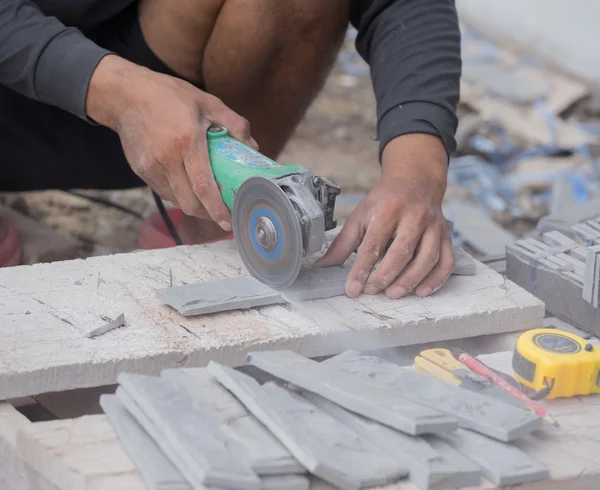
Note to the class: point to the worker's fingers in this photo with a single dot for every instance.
(160, 185)
(442, 270)
(182, 188)
(201, 177)
(399, 254)
(153, 174)
(345, 243)
(236, 125)
(426, 257)
(370, 250)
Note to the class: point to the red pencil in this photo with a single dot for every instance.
(481, 369)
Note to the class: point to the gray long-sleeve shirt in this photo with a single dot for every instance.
(412, 47)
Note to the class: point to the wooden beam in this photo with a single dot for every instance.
(47, 310)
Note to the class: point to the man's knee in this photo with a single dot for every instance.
(188, 35)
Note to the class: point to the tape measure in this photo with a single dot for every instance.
(562, 362)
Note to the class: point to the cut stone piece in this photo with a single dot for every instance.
(216, 296)
(116, 323)
(240, 293)
(501, 463)
(326, 447)
(464, 263)
(248, 438)
(439, 468)
(474, 411)
(317, 283)
(187, 431)
(155, 468)
(358, 396)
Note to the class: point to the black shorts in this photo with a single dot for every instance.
(43, 147)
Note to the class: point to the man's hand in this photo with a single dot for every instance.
(406, 206)
(162, 122)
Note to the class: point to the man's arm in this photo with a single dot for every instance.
(43, 59)
(413, 49)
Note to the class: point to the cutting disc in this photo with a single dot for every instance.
(267, 232)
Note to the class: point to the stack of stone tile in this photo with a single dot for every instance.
(563, 270)
(353, 421)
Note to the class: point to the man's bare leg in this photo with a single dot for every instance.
(266, 60)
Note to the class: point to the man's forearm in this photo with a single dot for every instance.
(413, 49)
(43, 59)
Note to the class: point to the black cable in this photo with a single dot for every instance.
(106, 202)
(167, 219)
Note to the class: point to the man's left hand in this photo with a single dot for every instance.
(406, 207)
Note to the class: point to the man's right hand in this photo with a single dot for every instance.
(162, 122)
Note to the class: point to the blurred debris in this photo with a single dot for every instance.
(528, 143)
(476, 228)
(40, 242)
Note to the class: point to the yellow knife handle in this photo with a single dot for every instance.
(425, 366)
(443, 358)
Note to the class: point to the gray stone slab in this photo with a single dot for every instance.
(562, 296)
(155, 468)
(247, 437)
(326, 447)
(439, 468)
(502, 464)
(221, 295)
(317, 284)
(474, 411)
(188, 432)
(464, 263)
(238, 293)
(358, 396)
(285, 482)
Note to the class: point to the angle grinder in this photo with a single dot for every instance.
(279, 213)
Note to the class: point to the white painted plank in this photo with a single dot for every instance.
(83, 446)
(46, 310)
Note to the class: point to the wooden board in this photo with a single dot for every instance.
(85, 454)
(47, 309)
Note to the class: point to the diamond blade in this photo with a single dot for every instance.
(267, 232)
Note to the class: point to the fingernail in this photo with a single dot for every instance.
(371, 289)
(253, 143)
(397, 292)
(225, 225)
(355, 289)
(426, 291)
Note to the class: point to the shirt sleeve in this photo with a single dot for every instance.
(43, 59)
(413, 49)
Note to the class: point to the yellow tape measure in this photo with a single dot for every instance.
(564, 362)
